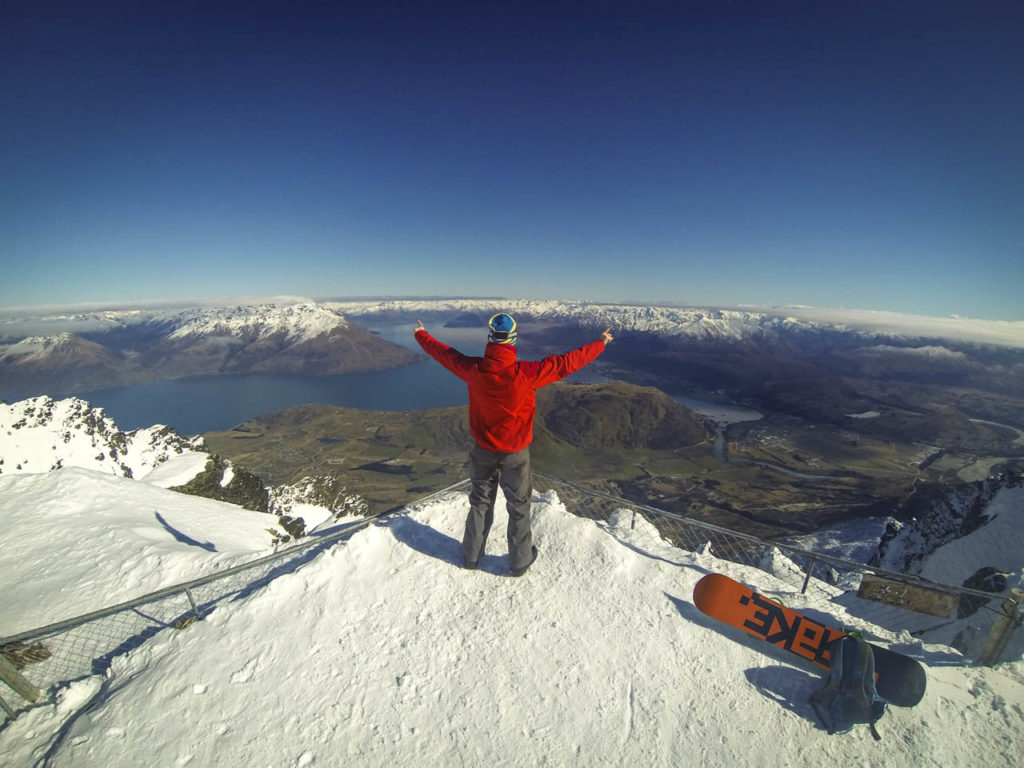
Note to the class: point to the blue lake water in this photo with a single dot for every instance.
(207, 403)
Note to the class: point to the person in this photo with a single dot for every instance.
(502, 405)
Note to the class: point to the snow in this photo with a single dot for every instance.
(40, 434)
(35, 347)
(312, 515)
(382, 651)
(999, 543)
(864, 415)
(853, 540)
(299, 322)
(87, 539)
(926, 351)
(178, 471)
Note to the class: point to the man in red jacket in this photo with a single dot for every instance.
(501, 409)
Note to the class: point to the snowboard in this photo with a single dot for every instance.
(900, 679)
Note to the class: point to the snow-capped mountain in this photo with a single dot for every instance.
(816, 364)
(58, 363)
(96, 350)
(813, 364)
(296, 323)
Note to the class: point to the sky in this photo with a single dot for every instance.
(827, 154)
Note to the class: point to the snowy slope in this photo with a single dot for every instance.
(86, 539)
(999, 543)
(383, 652)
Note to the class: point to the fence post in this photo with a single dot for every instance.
(1007, 621)
(188, 594)
(7, 709)
(807, 578)
(10, 675)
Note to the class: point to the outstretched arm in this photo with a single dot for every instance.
(449, 357)
(556, 367)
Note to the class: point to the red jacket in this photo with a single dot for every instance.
(501, 388)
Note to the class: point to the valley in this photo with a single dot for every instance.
(779, 476)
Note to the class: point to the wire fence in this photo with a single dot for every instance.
(34, 663)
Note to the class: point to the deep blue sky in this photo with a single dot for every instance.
(866, 155)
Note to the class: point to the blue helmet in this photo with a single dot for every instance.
(503, 329)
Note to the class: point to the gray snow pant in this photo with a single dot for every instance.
(488, 470)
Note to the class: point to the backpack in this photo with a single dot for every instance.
(849, 695)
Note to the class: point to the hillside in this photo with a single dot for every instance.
(618, 416)
(383, 652)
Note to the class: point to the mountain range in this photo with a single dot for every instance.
(793, 360)
(109, 349)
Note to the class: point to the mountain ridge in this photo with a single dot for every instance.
(120, 348)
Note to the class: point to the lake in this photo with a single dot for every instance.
(217, 402)
(208, 403)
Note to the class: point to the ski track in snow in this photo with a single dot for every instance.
(382, 652)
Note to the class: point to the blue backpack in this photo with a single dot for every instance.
(849, 696)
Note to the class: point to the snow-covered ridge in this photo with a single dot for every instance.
(37, 346)
(298, 322)
(710, 323)
(88, 539)
(42, 434)
(715, 322)
(304, 320)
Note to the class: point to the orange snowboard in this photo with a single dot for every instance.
(900, 679)
(738, 605)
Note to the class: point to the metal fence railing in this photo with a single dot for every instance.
(34, 662)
